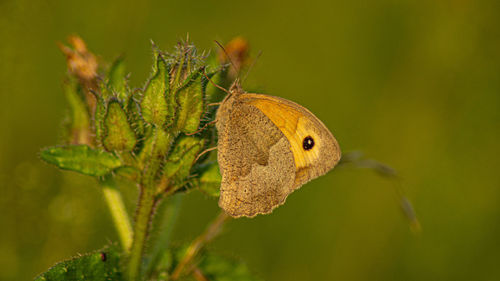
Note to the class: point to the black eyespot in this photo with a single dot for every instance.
(308, 143)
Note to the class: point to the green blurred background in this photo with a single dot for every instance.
(414, 84)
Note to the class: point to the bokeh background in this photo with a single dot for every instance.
(414, 84)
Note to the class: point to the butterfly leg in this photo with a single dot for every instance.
(204, 151)
(202, 128)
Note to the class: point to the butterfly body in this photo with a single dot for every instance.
(267, 148)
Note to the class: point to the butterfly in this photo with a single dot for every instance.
(267, 148)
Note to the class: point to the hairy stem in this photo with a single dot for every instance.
(145, 210)
(144, 215)
(119, 214)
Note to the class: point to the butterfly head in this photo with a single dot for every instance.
(236, 88)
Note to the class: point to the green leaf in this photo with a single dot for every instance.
(79, 131)
(134, 115)
(190, 102)
(100, 265)
(128, 172)
(209, 179)
(117, 81)
(119, 135)
(216, 268)
(181, 158)
(100, 113)
(82, 159)
(156, 145)
(154, 106)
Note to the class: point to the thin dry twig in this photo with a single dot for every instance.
(210, 233)
(198, 274)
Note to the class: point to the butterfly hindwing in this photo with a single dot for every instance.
(255, 162)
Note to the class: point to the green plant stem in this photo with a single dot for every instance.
(145, 210)
(144, 215)
(118, 213)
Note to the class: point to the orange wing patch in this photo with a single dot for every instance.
(292, 123)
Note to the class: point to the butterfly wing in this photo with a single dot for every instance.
(297, 123)
(255, 161)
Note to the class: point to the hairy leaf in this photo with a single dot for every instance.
(100, 113)
(82, 159)
(117, 82)
(119, 135)
(181, 158)
(156, 144)
(154, 106)
(101, 265)
(134, 115)
(190, 102)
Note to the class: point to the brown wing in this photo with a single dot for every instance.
(255, 161)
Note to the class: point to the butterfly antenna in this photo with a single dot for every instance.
(251, 66)
(227, 55)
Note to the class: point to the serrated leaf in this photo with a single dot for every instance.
(79, 128)
(100, 265)
(190, 103)
(118, 133)
(181, 158)
(209, 179)
(116, 79)
(82, 159)
(154, 106)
